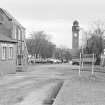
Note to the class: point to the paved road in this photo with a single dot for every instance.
(26, 88)
(15, 88)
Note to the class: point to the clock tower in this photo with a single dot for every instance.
(75, 35)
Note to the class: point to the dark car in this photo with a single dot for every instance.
(98, 60)
(75, 61)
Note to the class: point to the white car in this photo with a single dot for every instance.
(52, 60)
(31, 60)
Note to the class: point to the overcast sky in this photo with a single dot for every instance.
(55, 16)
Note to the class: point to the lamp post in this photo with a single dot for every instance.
(82, 45)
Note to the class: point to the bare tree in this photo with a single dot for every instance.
(63, 53)
(95, 42)
(40, 44)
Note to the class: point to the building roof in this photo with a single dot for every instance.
(11, 17)
(3, 38)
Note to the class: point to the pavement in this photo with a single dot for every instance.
(38, 96)
(82, 90)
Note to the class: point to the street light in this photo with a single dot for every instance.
(82, 44)
(82, 38)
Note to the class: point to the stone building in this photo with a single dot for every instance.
(12, 29)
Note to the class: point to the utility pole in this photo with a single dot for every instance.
(82, 46)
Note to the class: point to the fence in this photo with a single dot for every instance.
(87, 63)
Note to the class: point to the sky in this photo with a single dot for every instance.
(55, 17)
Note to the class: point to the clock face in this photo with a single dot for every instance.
(75, 34)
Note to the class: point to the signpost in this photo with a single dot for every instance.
(87, 60)
(80, 65)
(93, 65)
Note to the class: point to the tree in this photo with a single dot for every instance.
(62, 53)
(95, 43)
(40, 44)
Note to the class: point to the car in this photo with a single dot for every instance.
(52, 60)
(65, 61)
(49, 60)
(98, 61)
(59, 61)
(31, 60)
(75, 62)
(41, 61)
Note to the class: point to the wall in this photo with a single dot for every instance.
(8, 65)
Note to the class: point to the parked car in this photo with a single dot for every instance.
(40, 61)
(75, 61)
(59, 61)
(49, 60)
(98, 61)
(43, 61)
(65, 61)
(52, 60)
(31, 60)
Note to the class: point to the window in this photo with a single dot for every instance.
(3, 53)
(19, 34)
(10, 52)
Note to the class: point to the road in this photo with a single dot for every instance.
(16, 88)
(38, 84)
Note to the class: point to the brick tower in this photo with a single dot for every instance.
(75, 35)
